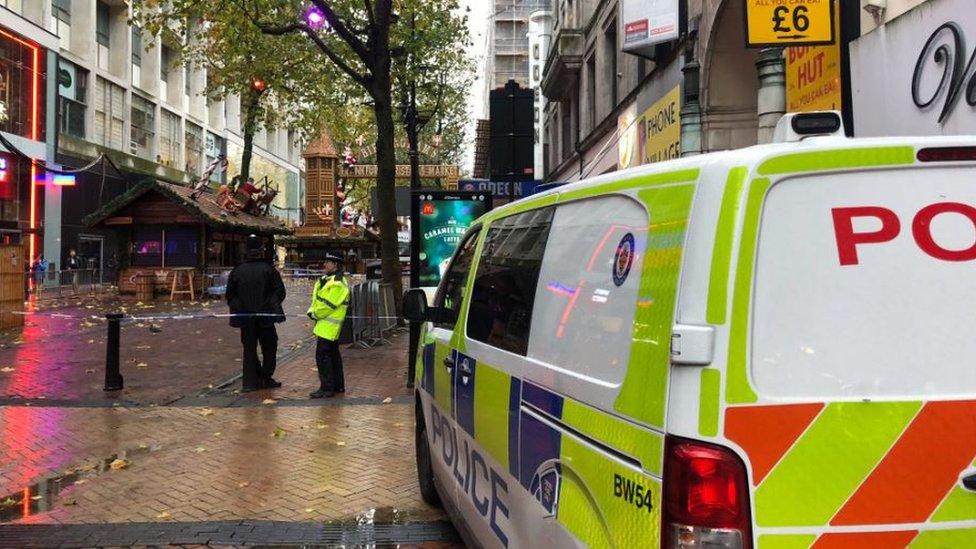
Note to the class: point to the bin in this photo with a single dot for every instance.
(145, 289)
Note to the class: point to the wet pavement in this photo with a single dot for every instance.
(194, 462)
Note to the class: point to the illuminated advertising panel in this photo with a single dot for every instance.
(439, 220)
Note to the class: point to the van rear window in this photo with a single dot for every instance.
(865, 286)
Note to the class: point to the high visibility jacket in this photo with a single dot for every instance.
(330, 299)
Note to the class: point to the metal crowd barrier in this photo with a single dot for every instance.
(68, 282)
(374, 313)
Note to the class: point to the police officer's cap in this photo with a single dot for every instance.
(333, 256)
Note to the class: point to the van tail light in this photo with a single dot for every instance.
(706, 497)
(947, 154)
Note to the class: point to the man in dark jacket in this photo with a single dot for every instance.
(255, 287)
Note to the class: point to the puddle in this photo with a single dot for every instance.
(43, 495)
(380, 515)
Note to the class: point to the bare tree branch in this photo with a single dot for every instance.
(343, 31)
(361, 79)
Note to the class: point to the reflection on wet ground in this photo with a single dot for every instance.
(44, 494)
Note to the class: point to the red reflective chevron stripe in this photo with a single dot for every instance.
(767, 432)
(919, 470)
(863, 540)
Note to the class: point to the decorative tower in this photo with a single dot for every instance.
(321, 160)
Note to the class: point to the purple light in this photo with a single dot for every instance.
(315, 18)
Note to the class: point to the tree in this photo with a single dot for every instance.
(363, 40)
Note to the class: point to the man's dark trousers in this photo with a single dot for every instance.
(329, 363)
(257, 370)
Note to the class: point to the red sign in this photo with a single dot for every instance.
(848, 240)
(428, 208)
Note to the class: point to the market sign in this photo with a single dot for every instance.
(438, 222)
(645, 23)
(813, 77)
(653, 135)
(789, 22)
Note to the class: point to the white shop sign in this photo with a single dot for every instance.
(901, 81)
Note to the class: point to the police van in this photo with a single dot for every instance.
(766, 347)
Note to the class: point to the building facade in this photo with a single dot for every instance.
(116, 90)
(508, 43)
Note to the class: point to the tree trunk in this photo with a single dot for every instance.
(251, 107)
(386, 180)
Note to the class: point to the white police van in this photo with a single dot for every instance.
(763, 347)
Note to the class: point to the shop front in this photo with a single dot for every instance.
(22, 123)
(914, 75)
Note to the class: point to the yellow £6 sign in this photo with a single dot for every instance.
(789, 22)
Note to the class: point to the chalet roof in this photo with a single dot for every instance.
(321, 146)
(204, 207)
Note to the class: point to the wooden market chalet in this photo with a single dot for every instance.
(166, 229)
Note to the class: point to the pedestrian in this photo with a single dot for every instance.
(330, 299)
(73, 264)
(255, 293)
(40, 272)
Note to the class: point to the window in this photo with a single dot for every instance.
(535, 51)
(187, 81)
(165, 247)
(15, 6)
(143, 127)
(610, 58)
(213, 148)
(505, 283)
(61, 21)
(109, 114)
(588, 287)
(17, 81)
(103, 35)
(194, 148)
(450, 292)
(169, 138)
(165, 63)
(136, 55)
(590, 93)
(147, 247)
(72, 92)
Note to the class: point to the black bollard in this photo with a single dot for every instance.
(113, 378)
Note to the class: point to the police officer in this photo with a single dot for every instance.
(255, 288)
(330, 299)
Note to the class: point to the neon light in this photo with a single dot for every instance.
(35, 130)
(33, 213)
(64, 180)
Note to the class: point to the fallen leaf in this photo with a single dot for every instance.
(9, 502)
(206, 412)
(6, 369)
(80, 481)
(309, 510)
(217, 434)
(340, 443)
(119, 464)
(279, 433)
(201, 449)
(269, 401)
(143, 446)
(321, 426)
(164, 516)
(142, 365)
(69, 502)
(387, 400)
(35, 498)
(243, 484)
(398, 424)
(90, 371)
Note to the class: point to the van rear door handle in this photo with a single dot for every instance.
(969, 482)
(449, 363)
